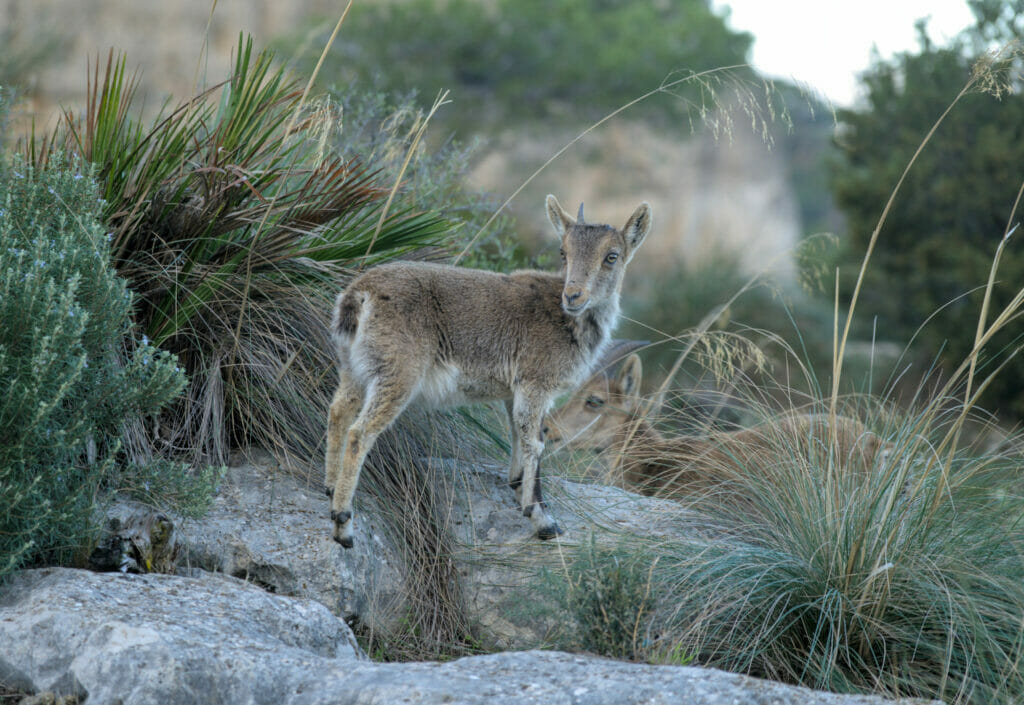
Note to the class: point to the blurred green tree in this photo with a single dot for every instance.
(537, 58)
(936, 247)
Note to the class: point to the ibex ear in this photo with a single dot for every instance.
(637, 227)
(630, 375)
(561, 220)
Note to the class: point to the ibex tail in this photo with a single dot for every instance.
(346, 316)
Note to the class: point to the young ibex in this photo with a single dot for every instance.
(604, 415)
(447, 336)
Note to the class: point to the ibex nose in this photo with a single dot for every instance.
(549, 434)
(573, 299)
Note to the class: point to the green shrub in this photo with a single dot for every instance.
(71, 367)
(600, 602)
(167, 484)
(609, 595)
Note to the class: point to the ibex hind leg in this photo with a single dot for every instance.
(385, 399)
(348, 399)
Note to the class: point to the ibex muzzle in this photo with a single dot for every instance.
(445, 335)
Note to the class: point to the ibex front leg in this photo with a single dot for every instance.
(515, 467)
(527, 416)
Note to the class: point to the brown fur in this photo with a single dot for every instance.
(604, 415)
(443, 335)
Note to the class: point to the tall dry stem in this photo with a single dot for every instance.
(666, 87)
(441, 99)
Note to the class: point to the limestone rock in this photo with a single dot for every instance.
(270, 528)
(554, 678)
(113, 637)
(158, 639)
(273, 530)
(144, 541)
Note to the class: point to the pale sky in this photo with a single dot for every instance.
(826, 43)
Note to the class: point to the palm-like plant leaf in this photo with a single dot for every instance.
(222, 209)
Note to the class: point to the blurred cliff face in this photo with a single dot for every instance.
(729, 196)
(164, 40)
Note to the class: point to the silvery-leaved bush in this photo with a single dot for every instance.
(68, 350)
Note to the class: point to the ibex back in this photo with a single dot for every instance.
(605, 414)
(448, 336)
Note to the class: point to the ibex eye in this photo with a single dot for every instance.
(561, 253)
(611, 257)
(594, 402)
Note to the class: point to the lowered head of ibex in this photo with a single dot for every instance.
(444, 335)
(607, 407)
(607, 414)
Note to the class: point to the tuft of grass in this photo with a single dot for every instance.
(904, 577)
(609, 596)
(415, 493)
(861, 583)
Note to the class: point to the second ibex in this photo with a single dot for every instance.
(446, 336)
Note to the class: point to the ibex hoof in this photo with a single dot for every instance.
(546, 533)
(342, 528)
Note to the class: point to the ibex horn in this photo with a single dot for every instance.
(579, 218)
(616, 353)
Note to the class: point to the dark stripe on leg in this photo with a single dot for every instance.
(536, 488)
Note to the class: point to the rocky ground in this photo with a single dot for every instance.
(257, 612)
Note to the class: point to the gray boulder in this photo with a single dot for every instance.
(499, 557)
(114, 638)
(270, 528)
(157, 638)
(556, 678)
